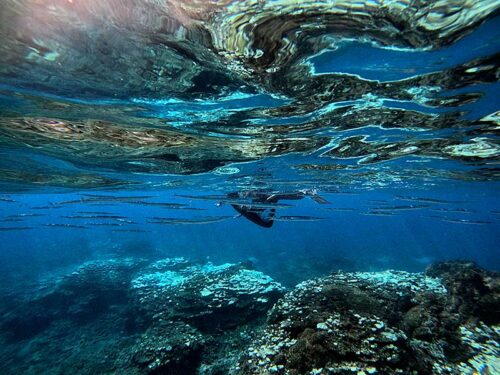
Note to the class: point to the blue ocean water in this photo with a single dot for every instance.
(300, 139)
(409, 239)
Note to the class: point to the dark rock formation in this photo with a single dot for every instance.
(383, 323)
(169, 317)
(474, 292)
(92, 289)
(206, 296)
(178, 317)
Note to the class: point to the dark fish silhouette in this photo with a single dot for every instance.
(46, 207)
(87, 198)
(116, 197)
(9, 200)
(378, 213)
(199, 220)
(464, 221)
(338, 209)
(25, 215)
(159, 204)
(202, 197)
(66, 226)
(299, 218)
(131, 230)
(115, 217)
(12, 219)
(104, 224)
(453, 210)
(5, 229)
(425, 200)
(401, 208)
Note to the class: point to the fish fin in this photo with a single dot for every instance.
(319, 199)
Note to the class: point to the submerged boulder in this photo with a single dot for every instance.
(206, 296)
(91, 289)
(127, 316)
(381, 323)
(474, 292)
(198, 316)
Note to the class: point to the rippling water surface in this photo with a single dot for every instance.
(340, 94)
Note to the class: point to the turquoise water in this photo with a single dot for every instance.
(290, 139)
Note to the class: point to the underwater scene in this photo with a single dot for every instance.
(237, 187)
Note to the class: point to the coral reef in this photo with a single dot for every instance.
(206, 296)
(198, 307)
(384, 323)
(132, 316)
(175, 316)
(475, 292)
(169, 347)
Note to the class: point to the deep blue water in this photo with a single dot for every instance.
(409, 240)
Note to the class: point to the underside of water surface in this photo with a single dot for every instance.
(249, 187)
